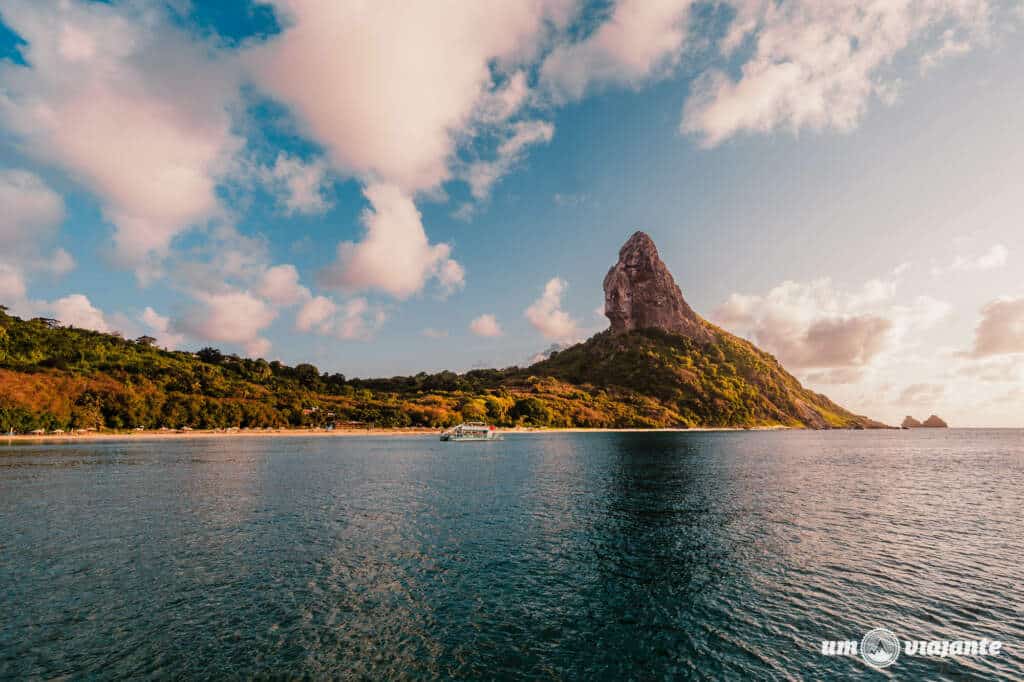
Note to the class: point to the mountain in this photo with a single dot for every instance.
(658, 365)
(657, 346)
(910, 423)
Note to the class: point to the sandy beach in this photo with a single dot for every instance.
(319, 433)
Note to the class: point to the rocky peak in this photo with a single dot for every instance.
(933, 422)
(640, 293)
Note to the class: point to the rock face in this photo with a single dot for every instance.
(640, 293)
(935, 422)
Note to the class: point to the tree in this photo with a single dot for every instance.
(145, 341)
(531, 410)
(308, 375)
(210, 355)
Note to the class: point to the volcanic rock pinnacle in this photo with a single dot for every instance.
(640, 293)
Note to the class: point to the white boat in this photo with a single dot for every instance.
(471, 431)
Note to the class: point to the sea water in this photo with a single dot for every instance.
(560, 556)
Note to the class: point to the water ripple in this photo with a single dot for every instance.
(587, 556)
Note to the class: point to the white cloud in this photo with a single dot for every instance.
(546, 314)
(481, 175)
(501, 103)
(951, 47)
(1001, 330)
(811, 325)
(816, 64)
(31, 216)
(236, 317)
(258, 347)
(58, 263)
(160, 327)
(432, 333)
(354, 319)
(395, 256)
(922, 394)
(12, 285)
(640, 40)
(450, 276)
(995, 257)
(357, 320)
(280, 285)
(486, 325)
(314, 313)
(301, 186)
(111, 97)
(388, 87)
(32, 211)
(77, 311)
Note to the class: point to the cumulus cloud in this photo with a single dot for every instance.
(395, 255)
(77, 311)
(811, 325)
(12, 285)
(546, 314)
(387, 87)
(314, 313)
(280, 285)
(1001, 330)
(301, 187)
(31, 211)
(160, 327)
(355, 319)
(816, 64)
(486, 325)
(109, 96)
(641, 39)
(236, 317)
(834, 336)
(32, 214)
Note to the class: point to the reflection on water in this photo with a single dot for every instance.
(562, 556)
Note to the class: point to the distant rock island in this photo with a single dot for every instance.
(659, 365)
(932, 422)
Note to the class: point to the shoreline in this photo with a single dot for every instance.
(337, 433)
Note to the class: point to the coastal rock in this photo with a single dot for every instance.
(935, 422)
(640, 293)
(910, 423)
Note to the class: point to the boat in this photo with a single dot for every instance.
(470, 431)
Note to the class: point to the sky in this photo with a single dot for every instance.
(384, 188)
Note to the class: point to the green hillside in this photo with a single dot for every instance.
(56, 377)
(728, 382)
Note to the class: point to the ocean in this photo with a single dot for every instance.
(730, 555)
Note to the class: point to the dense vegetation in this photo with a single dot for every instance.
(57, 377)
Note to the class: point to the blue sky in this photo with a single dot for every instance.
(355, 185)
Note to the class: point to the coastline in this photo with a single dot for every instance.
(323, 433)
